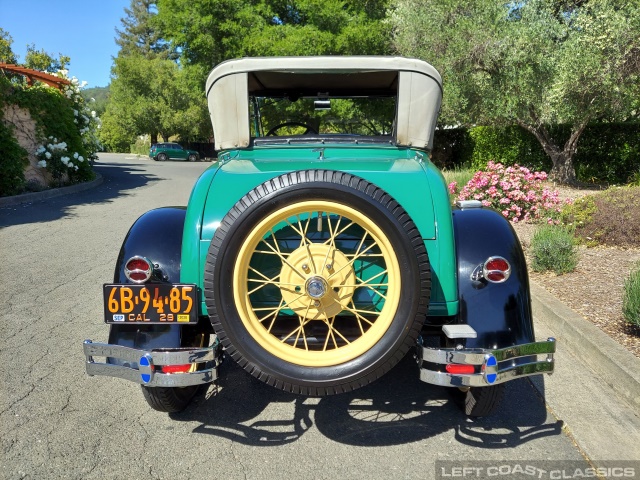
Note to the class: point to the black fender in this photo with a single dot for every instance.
(499, 312)
(156, 235)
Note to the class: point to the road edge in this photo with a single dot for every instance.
(51, 193)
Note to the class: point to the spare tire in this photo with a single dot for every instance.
(317, 282)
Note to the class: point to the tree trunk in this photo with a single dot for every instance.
(154, 138)
(563, 170)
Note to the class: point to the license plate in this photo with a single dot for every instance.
(153, 303)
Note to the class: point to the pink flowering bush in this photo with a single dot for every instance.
(516, 192)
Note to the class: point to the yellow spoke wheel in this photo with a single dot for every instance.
(317, 282)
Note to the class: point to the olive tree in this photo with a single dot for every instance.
(534, 63)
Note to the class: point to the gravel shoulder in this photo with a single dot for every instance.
(595, 288)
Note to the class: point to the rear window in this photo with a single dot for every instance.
(364, 116)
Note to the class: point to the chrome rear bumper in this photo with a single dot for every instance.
(145, 367)
(490, 366)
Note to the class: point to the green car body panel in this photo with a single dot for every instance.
(404, 173)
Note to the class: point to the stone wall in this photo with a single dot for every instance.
(25, 132)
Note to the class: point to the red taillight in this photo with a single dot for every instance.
(138, 269)
(496, 269)
(456, 369)
(138, 264)
(176, 368)
(497, 263)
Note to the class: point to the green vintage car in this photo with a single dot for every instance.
(161, 152)
(321, 248)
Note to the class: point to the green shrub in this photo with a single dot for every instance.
(579, 214)
(141, 147)
(507, 145)
(631, 297)
(64, 121)
(607, 152)
(553, 248)
(12, 162)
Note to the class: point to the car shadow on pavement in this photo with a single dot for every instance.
(395, 410)
(118, 179)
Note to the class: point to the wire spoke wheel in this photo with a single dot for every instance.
(317, 282)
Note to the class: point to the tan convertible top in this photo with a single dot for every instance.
(417, 85)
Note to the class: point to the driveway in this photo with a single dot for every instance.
(56, 422)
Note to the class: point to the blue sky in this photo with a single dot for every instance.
(81, 29)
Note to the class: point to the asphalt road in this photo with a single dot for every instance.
(56, 422)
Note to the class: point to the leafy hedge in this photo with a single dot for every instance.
(608, 152)
(12, 162)
(60, 117)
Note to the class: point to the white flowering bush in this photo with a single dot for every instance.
(71, 140)
(58, 160)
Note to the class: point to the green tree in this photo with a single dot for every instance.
(535, 63)
(149, 96)
(150, 93)
(207, 32)
(153, 96)
(210, 31)
(97, 99)
(139, 35)
(43, 61)
(6, 54)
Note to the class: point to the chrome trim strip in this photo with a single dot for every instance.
(158, 379)
(493, 364)
(476, 356)
(477, 380)
(469, 204)
(143, 372)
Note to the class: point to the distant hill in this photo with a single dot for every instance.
(101, 96)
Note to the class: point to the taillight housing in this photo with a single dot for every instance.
(138, 269)
(496, 269)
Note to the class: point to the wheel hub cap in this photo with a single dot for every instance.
(317, 281)
(316, 287)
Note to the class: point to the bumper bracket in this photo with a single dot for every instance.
(145, 367)
(490, 366)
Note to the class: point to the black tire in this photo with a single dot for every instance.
(480, 401)
(192, 158)
(175, 399)
(323, 368)
(162, 157)
(169, 399)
